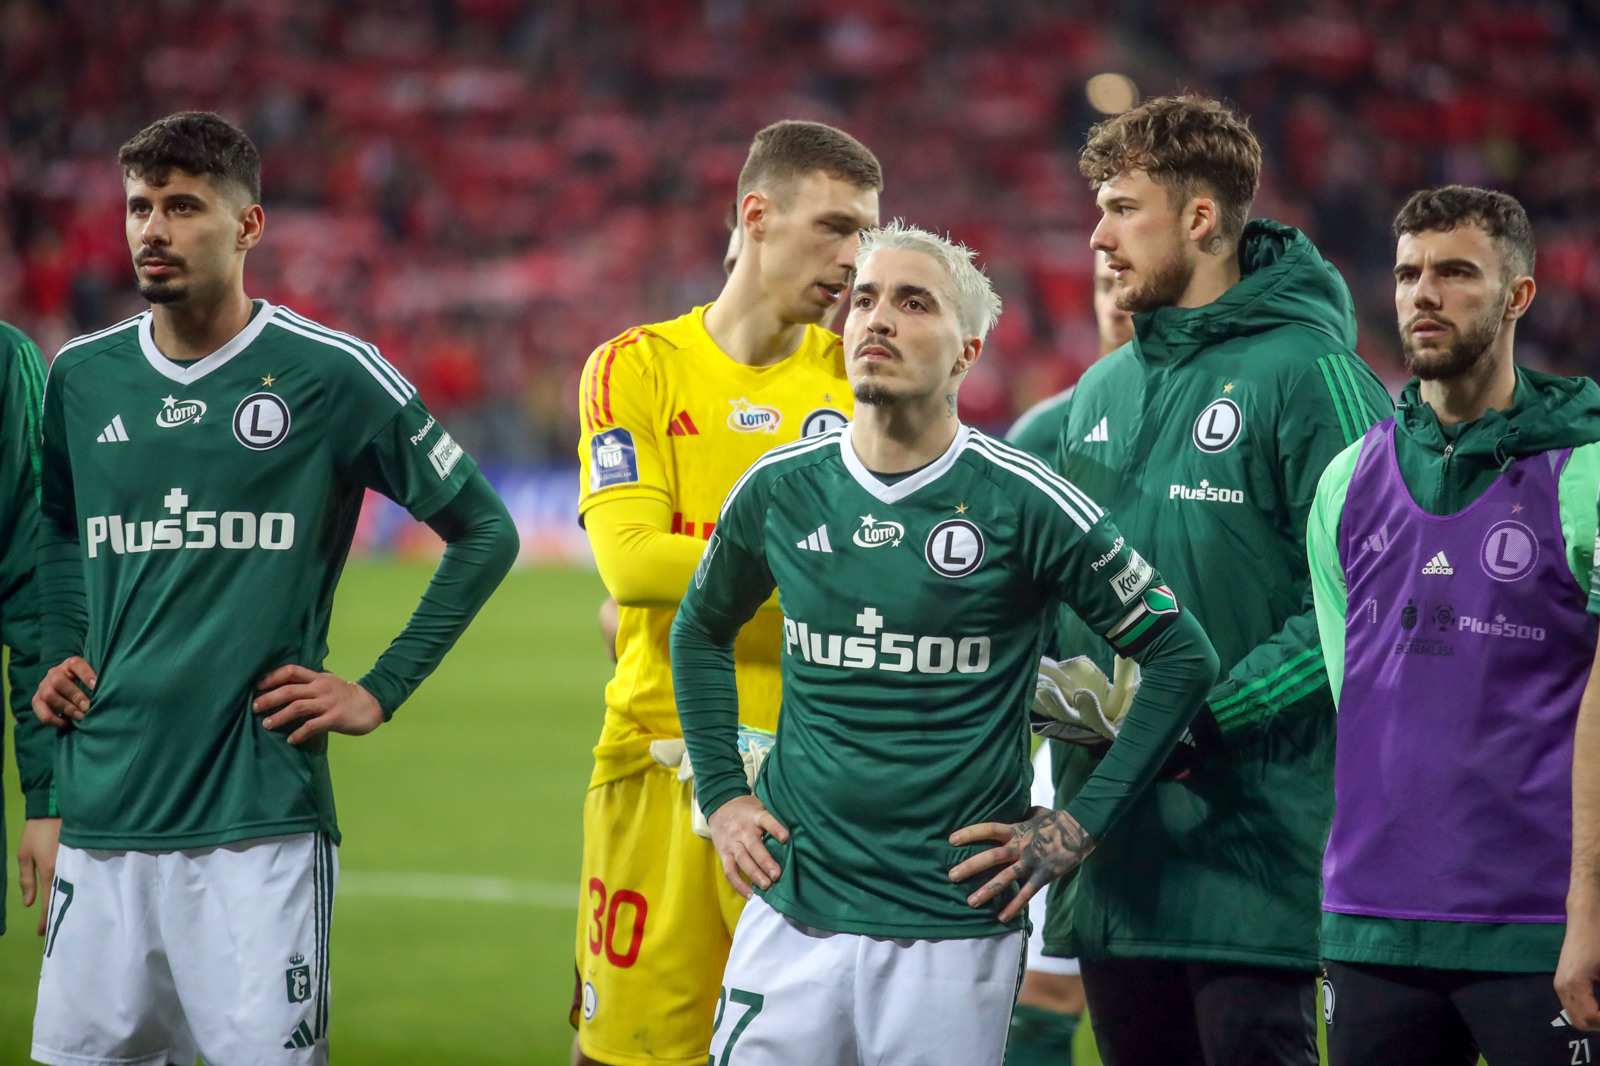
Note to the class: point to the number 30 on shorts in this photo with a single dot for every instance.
(603, 934)
(752, 1002)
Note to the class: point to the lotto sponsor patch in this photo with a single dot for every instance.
(613, 460)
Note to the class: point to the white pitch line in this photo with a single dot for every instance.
(454, 887)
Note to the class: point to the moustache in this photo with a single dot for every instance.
(1420, 315)
(886, 345)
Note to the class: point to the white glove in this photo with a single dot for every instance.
(674, 755)
(1074, 702)
(754, 744)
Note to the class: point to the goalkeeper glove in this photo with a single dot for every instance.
(1074, 702)
(754, 744)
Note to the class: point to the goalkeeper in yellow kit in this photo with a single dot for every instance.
(673, 414)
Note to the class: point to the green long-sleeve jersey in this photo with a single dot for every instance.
(1446, 469)
(195, 520)
(21, 386)
(914, 613)
(1205, 435)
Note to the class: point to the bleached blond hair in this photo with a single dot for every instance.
(977, 305)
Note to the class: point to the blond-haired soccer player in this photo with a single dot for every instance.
(910, 652)
(672, 414)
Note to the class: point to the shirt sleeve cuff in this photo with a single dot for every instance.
(40, 802)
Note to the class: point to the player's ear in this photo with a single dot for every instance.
(971, 350)
(1202, 224)
(1522, 291)
(753, 212)
(252, 220)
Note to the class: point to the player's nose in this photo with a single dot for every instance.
(1100, 240)
(880, 319)
(1425, 294)
(154, 231)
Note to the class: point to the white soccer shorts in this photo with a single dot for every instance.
(794, 994)
(1044, 795)
(156, 957)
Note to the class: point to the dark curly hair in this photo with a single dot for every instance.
(1188, 145)
(1496, 213)
(197, 142)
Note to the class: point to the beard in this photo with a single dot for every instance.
(162, 292)
(874, 394)
(1164, 286)
(1468, 349)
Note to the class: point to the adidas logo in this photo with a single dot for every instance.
(116, 431)
(300, 1038)
(1439, 565)
(682, 426)
(1561, 1019)
(817, 542)
(1377, 542)
(1100, 433)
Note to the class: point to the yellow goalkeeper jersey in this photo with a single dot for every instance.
(666, 414)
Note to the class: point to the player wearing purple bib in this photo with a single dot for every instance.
(1451, 559)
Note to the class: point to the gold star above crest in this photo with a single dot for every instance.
(827, 397)
(961, 508)
(268, 380)
(1228, 387)
(1516, 508)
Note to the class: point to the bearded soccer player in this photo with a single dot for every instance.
(1452, 554)
(673, 413)
(1196, 921)
(1051, 999)
(203, 468)
(918, 563)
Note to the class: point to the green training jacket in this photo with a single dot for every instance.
(1446, 469)
(1205, 435)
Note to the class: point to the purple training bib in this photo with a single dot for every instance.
(1467, 647)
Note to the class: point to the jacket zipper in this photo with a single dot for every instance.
(1444, 471)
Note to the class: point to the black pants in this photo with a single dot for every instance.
(1420, 1017)
(1156, 1012)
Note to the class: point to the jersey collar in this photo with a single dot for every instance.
(900, 489)
(189, 373)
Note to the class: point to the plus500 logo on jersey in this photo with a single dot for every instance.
(901, 653)
(239, 530)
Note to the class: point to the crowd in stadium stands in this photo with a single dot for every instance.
(488, 189)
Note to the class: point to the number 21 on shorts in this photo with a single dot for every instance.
(752, 1002)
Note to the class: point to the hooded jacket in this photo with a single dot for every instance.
(1204, 438)
(1446, 469)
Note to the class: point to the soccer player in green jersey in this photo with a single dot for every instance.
(917, 563)
(203, 468)
(21, 385)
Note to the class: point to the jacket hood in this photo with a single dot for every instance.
(1284, 281)
(1547, 412)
